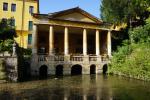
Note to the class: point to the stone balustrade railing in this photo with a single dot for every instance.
(59, 58)
(104, 58)
(76, 58)
(42, 58)
(79, 58)
(93, 58)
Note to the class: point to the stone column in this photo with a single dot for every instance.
(84, 97)
(109, 43)
(51, 40)
(97, 43)
(84, 42)
(34, 39)
(66, 46)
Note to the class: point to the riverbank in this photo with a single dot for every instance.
(132, 61)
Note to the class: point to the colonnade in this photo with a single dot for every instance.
(66, 41)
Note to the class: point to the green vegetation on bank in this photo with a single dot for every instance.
(133, 58)
(132, 61)
(7, 34)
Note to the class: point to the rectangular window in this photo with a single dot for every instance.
(5, 6)
(13, 7)
(30, 25)
(31, 9)
(29, 39)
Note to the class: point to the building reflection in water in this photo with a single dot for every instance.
(78, 88)
(84, 87)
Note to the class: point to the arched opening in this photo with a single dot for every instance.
(76, 70)
(92, 69)
(59, 70)
(43, 71)
(105, 68)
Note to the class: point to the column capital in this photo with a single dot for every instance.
(110, 30)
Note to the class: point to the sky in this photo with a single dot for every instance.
(49, 6)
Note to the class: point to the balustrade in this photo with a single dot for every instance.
(93, 58)
(59, 58)
(42, 58)
(105, 58)
(78, 58)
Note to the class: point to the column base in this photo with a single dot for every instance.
(99, 58)
(86, 58)
(67, 58)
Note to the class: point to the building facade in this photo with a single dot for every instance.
(21, 13)
(69, 42)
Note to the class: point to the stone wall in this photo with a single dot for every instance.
(10, 68)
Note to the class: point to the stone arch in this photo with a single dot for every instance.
(105, 68)
(76, 70)
(93, 69)
(59, 70)
(43, 71)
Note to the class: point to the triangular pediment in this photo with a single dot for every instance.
(75, 14)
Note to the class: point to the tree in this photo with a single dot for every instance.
(7, 33)
(125, 11)
(141, 33)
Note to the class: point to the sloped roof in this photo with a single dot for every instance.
(73, 10)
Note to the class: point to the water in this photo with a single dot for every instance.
(85, 87)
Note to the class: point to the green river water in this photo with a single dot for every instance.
(82, 87)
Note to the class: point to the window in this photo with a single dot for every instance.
(13, 7)
(29, 39)
(31, 8)
(30, 25)
(5, 6)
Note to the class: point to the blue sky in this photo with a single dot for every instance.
(49, 6)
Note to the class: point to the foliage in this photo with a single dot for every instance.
(6, 45)
(118, 11)
(7, 31)
(133, 59)
(134, 64)
(7, 34)
(141, 33)
(26, 51)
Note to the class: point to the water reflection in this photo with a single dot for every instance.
(94, 87)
